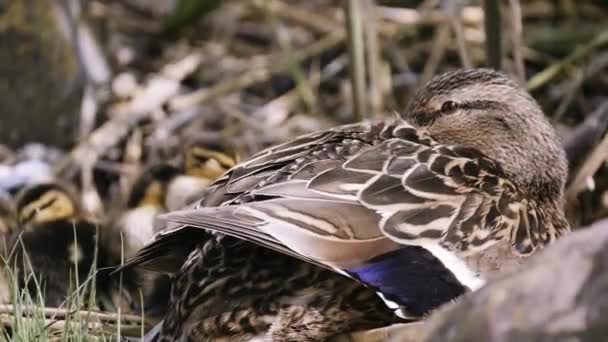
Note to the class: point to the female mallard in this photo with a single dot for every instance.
(399, 205)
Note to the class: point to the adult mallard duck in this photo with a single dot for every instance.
(400, 205)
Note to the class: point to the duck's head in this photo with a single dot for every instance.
(485, 110)
(208, 159)
(43, 203)
(151, 187)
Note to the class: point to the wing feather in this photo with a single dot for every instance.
(337, 236)
(311, 196)
(452, 196)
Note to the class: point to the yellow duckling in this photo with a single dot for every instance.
(146, 200)
(8, 226)
(203, 161)
(132, 230)
(60, 245)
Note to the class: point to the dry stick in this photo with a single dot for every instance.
(373, 59)
(90, 198)
(555, 69)
(424, 15)
(158, 90)
(314, 21)
(251, 77)
(56, 313)
(50, 324)
(582, 139)
(88, 111)
(356, 52)
(60, 326)
(516, 33)
(98, 74)
(440, 42)
(296, 15)
(493, 33)
(572, 86)
(595, 160)
(303, 88)
(164, 129)
(288, 100)
(402, 332)
(455, 13)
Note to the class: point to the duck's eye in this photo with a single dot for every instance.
(449, 107)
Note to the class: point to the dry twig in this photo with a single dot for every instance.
(356, 51)
(493, 33)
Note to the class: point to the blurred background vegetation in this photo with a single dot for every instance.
(106, 87)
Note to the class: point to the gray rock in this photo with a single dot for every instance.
(560, 295)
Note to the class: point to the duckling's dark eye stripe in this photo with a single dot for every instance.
(48, 203)
(224, 165)
(29, 216)
(35, 209)
(200, 158)
(200, 161)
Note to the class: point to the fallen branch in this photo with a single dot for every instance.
(251, 77)
(588, 169)
(126, 115)
(586, 135)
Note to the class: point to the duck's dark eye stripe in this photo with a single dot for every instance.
(482, 105)
(426, 118)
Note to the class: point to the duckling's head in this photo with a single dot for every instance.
(208, 159)
(150, 188)
(485, 110)
(46, 202)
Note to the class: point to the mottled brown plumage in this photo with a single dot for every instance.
(400, 205)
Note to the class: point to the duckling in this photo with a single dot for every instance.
(203, 161)
(160, 188)
(280, 247)
(8, 221)
(56, 244)
(8, 227)
(146, 200)
(132, 230)
(164, 187)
